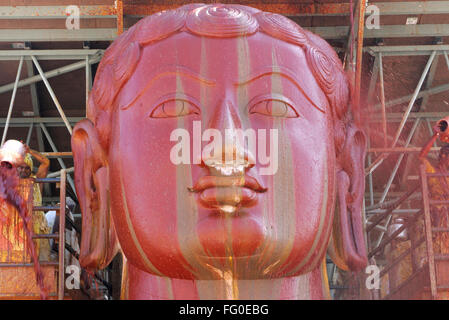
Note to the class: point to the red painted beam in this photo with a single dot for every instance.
(281, 8)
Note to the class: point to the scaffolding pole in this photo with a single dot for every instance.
(11, 104)
(52, 94)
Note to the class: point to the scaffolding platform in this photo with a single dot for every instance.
(19, 282)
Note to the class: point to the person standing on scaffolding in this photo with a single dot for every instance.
(439, 186)
(25, 171)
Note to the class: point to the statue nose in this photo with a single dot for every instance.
(231, 160)
(230, 156)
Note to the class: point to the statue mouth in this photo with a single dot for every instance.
(245, 181)
(227, 193)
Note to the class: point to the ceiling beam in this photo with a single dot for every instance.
(397, 116)
(292, 10)
(109, 34)
(63, 54)
(96, 34)
(386, 31)
(407, 50)
(55, 12)
(48, 121)
(312, 9)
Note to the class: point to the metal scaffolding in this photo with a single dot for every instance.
(87, 57)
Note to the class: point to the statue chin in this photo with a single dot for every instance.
(236, 237)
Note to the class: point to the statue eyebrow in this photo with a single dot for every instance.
(169, 70)
(282, 71)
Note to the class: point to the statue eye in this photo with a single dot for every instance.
(274, 108)
(174, 108)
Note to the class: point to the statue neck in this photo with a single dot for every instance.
(139, 285)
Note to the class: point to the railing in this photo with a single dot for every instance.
(60, 235)
(427, 204)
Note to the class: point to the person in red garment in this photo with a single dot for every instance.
(439, 186)
(191, 224)
(13, 244)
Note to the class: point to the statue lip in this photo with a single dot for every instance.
(227, 194)
(243, 181)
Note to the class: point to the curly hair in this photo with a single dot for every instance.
(218, 21)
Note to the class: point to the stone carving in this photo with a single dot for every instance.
(211, 228)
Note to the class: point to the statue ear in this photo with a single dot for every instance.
(99, 242)
(347, 245)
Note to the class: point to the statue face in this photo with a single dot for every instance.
(207, 221)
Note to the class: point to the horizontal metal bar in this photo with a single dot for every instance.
(412, 7)
(96, 34)
(53, 12)
(44, 57)
(437, 174)
(14, 265)
(32, 295)
(57, 52)
(386, 50)
(439, 202)
(46, 236)
(109, 34)
(46, 208)
(46, 180)
(25, 121)
(397, 211)
(75, 54)
(289, 9)
(440, 229)
(397, 116)
(311, 9)
(401, 150)
(58, 173)
(53, 155)
(387, 31)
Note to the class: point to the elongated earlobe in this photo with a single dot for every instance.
(347, 246)
(99, 242)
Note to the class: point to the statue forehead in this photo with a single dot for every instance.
(195, 51)
(232, 60)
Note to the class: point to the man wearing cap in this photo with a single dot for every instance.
(13, 156)
(12, 234)
(25, 171)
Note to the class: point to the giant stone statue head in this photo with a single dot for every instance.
(178, 82)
